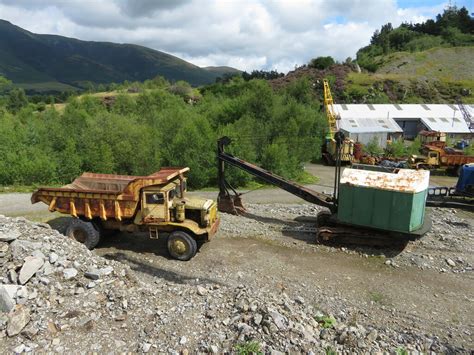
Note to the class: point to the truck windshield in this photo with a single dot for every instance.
(155, 198)
(173, 193)
(177, 191)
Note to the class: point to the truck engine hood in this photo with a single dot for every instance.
(197, 203)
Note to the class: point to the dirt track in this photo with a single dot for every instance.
(410, 295)
(19, 204)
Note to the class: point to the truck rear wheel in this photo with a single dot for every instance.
(83, 232)
(181, 245)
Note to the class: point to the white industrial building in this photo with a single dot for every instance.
(363, 122)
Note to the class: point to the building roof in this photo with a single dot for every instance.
(443, 118)
(366, 125)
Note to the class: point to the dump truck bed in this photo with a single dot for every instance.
(103, 195)
(456, 160)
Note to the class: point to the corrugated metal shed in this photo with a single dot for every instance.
(443, 118)
(366, 125)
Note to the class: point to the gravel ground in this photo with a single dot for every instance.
(262, 282)
(258, 283)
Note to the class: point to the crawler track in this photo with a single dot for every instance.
(332, 232)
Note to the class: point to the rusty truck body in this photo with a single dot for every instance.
(157, 204)
(435, 157)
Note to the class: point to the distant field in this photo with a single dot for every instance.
(46, 86)
(60, 107)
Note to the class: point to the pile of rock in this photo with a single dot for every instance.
(55, 295)
(39, 270)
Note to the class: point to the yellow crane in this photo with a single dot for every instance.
(328, 149)
(330, 112)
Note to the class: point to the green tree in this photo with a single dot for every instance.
(4, 82)
(275, 158)
(321, 62)
(182, 89)
(300, 90)
(69, 162)
(16, 100)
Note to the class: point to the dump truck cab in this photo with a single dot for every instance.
(433, 158)
(169, 207)
(430, 160)
(157, 204)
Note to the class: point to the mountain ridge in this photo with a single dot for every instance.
(29, 59)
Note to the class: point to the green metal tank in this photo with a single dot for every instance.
(383, 200)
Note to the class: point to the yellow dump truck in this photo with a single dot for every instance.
(157, 204)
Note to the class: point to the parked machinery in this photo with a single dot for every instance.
(367, 207)
(459, 196)
(157, 204)
(435, 157)
(329, 147)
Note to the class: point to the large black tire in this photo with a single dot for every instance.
(83, 232)
(181, 246)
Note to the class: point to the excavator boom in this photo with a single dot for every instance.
(227, 203)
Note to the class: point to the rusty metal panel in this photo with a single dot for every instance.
(106, 196)
(405, 180)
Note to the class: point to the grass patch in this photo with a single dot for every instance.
(24, 188)
(307, 178)
(378, 257)
(249, 347)
(326, 321)
(377, 297)
(401, 351)
(17, 189)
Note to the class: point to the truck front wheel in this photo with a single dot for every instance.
(83, 232)
(181, 245)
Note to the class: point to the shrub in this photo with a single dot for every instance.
(326, 321)
(396, 148)
(373, 147)
(321, 62)
(414, 147)
(249, 348)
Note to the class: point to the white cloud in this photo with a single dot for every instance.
(268, 34)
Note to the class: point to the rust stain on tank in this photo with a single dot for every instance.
(404, 180)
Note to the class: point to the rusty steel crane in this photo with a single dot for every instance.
(328, 149)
